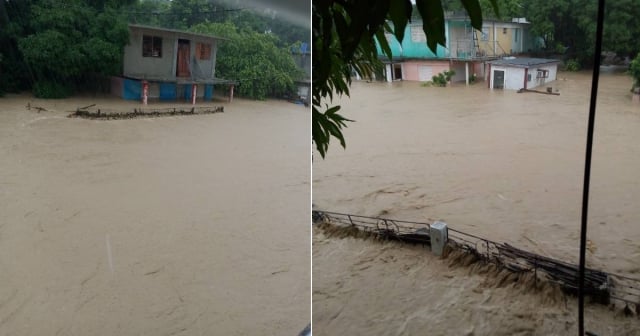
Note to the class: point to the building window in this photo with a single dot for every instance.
(151, 46)
(542, 73)
(504, 30)
(203, 50)
(485, 34)
(528, 77)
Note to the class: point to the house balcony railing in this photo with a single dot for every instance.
(476, 49)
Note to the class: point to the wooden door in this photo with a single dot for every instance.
(184, 51)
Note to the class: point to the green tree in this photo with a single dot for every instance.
(263, 68)
(622, 27)
(150, 12)
(634, 71)
(568, 27)
(58, 46)
(344, 35)
(261, 21)
(187, 13)
(183, 14)
(14, 24)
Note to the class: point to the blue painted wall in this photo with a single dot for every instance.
(132, 89)
(208, 92)
(168, 91)
(410, 49)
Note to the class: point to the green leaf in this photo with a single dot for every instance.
(400, 12)
(432, 22)
(475, 12)
(384, 44)
(496, 9)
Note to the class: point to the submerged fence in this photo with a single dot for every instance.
(602, 287)
(98, 114)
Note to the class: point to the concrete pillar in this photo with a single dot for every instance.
(194, 90)
(389, 73)
(145, 92)
(231, 93)
(495, 40)
(439, 237)
(466, 72)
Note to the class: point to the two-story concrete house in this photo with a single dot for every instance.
(168, 64)
(467, 50)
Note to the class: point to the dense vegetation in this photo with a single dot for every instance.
(56, 48)
(634, 71)
(253, 58)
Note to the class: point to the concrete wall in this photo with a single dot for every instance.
(459, 68)
(135, 65)
(413, 70)
(501, 38)
(413, 45)
(513, 77)
(417, 70)
(478, 69)
(535, 82)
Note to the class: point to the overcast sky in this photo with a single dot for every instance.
(297, 12)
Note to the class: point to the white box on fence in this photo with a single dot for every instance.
(438, 233)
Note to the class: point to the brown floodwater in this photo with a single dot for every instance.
(372, 288)
(188, 225)
(504, 165)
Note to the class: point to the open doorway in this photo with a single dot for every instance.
(397, 71)
(498, 79)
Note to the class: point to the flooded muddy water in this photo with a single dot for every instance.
(186, 225)
(370, 288)
(503, 165)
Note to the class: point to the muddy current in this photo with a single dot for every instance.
(185, 225)
(503, 165)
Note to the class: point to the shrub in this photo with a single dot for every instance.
(51, 89)
(448, 74)
(439, 80)
(572, 65)
(443, 78)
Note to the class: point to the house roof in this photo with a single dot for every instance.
(181, 32)
(523, 62)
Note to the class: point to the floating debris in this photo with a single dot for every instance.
(548, 92)
(37, 108)
(83, 112)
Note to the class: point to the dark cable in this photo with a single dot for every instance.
(587, 165)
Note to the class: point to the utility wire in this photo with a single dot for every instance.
(587, 165)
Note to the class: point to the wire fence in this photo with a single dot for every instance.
(602, 287)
